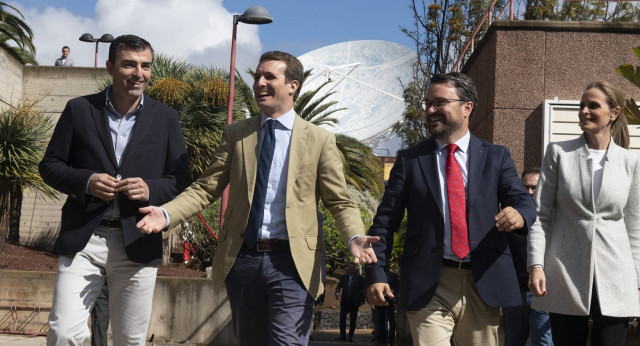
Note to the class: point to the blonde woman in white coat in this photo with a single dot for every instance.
(584, 249)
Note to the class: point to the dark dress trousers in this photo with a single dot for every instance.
(353, 294)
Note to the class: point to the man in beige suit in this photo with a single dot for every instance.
(270, 249)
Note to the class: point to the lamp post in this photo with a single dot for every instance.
(253, 15)
(89, 38)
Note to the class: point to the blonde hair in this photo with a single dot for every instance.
(615, 98)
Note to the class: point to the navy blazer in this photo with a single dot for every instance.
(81, 145)
(413, 185)
(352, 295)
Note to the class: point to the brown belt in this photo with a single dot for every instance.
(265, 245)
(456, 264)
(111, 223)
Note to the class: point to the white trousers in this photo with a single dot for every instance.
(79, 281)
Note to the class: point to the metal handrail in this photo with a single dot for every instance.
(471, 42)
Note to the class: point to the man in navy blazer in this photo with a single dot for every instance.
(112, 153)
(446, 295)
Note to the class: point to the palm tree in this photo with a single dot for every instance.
(361, 167)
(23, 134)
(13, 30)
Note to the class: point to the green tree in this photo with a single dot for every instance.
(606, 11)
(198, 235)
(16, 36)
(439, 29)
(336, 253)
(24, 131)
(632, 74)
(540, 9)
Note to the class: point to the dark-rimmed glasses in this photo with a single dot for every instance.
(439, 103)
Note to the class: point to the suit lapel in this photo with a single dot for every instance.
(477, 156)
(429, 166)
(297, 149)
(99, 114)
(250, 147)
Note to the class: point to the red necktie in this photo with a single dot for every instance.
(457, 205)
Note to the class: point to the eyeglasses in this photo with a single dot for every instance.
(439, 103)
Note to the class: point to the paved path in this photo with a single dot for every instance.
(320, 338)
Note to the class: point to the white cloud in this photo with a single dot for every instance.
(195, 31)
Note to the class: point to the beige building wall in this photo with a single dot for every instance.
(520, 64)
(53, 86)
(11, 80)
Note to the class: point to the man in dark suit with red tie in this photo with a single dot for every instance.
(460, 194)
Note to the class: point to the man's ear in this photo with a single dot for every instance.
(109, 68)
(468, 108)
(294, 86)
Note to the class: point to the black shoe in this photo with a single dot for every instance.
(341, 338)
(350, 339)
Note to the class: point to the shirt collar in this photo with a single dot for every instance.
(285, 119)
(463, 143)
(109, 104)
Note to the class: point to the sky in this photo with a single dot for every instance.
(199, 32)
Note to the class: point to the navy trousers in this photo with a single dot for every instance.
(269, 304)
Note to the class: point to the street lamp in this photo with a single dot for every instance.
(89, 38)
(253, 15)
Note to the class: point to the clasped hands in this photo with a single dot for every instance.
(106, 187)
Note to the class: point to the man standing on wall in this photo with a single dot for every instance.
(112, 153)
(64, 60)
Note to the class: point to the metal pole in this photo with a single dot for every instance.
(232, 74)
(96, 63)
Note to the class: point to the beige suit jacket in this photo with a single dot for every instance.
(582, 242)
(315, 172)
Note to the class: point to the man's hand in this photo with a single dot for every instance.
(537, 282)
(153, 222)
(103, 186)
(508, 219)
(361, 250)
(376, 293)
(134, 188)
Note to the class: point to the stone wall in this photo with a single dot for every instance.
(330, 319)
(519, 64)
(11, 77)
(53, 86)
(184, 309)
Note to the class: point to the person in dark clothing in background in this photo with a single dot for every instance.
(353, 288)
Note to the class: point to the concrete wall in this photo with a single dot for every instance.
(11, 77)
(184, 309)
(53, 86)
(519, 64)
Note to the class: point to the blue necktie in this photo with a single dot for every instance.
(256, 215)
